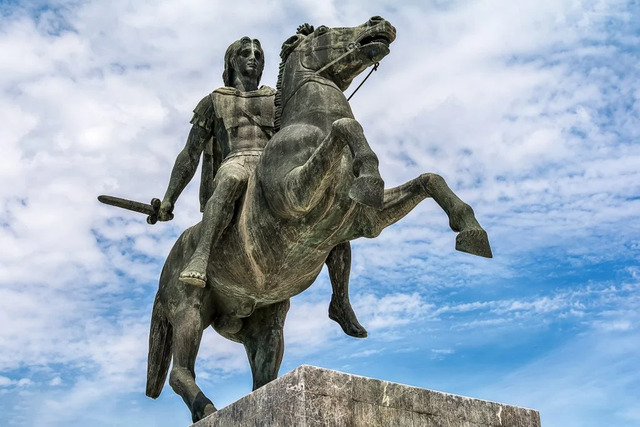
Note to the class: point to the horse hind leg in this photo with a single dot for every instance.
(399, 201)
(263, 339)
(188, 329)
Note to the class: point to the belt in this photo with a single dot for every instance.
(245, 152)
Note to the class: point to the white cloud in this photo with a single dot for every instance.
(7, 382)
(529, 109)
(391, 311)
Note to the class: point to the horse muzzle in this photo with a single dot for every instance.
(376, 39)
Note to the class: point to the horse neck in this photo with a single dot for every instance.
(305, 93)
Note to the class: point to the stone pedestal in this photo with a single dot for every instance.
(310, 396)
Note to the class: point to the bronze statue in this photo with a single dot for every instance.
(315, 187)
(230, 128)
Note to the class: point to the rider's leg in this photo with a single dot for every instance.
(339, 266)
(229, 185)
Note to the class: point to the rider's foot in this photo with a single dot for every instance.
(195, 273)
(193, 278)
(346, 318)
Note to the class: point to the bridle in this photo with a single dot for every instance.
(351, 47)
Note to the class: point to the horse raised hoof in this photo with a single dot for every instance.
(345, 317)
(474, 242)
(368, 191)
(193, 278)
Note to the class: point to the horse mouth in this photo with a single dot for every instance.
(375, 44)
(376, 38)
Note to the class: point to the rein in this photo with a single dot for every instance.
(375, 68)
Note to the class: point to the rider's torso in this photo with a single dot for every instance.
(243, 120)
(244, 136)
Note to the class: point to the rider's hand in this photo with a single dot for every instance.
(166, 211)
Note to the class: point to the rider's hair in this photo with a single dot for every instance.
(230, 58)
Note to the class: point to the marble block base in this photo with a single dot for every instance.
(310, 396)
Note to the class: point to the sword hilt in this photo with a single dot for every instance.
(153, 218)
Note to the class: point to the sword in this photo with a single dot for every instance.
(151, 210)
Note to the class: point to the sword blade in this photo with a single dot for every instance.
(130, 205)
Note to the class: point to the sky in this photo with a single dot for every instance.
(529, 109)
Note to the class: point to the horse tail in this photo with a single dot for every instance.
(160, 340)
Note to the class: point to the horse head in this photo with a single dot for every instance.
(340, 54)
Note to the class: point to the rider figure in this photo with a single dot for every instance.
(230, 128)
(233, 123)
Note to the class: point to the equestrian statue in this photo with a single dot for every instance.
(286, 187)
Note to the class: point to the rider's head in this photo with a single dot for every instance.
(244, 56)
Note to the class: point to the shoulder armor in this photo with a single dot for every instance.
(204, 113)
(268, 91)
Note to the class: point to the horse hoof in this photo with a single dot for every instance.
(201, 407)
(368, 191)
(474, 242)
(194, 279)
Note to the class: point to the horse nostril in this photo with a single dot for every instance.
(375, 19)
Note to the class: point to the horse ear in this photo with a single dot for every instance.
(290, 44)
(305, 29)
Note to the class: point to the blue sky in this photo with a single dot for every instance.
(529, 109)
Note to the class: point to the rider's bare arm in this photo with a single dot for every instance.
(184, 168)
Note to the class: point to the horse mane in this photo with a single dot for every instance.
(278, 98)
(287, 48)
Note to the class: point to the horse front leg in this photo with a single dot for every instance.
(400, 200)
(188, 330)
(306, 184)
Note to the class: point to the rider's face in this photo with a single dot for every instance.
(250, 61)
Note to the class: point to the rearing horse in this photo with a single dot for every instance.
(317, 185)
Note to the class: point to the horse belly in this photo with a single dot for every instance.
(238, 281)
(232, 267)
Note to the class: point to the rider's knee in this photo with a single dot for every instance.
(233, 182)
